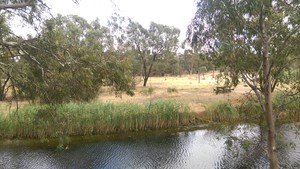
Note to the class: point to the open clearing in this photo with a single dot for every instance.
(188, 89)
(185, 88)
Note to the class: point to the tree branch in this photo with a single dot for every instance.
(16, 5)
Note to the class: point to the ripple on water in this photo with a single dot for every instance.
(184, 150)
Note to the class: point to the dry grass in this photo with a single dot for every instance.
(188, 89)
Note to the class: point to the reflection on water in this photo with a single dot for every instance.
(193, 149)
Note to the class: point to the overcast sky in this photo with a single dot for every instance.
(177, 13)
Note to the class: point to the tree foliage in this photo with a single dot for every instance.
(12, 46)
(71, 62)
(230, 32)
(257, 41)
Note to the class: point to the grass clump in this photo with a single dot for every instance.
(80, 119)
(172, 90)
(250, 110)
(287, 108)
(147, 91)
(221, 112)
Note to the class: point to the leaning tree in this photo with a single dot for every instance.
(30, 12)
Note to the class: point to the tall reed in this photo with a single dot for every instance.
(249, 110)
(221, 112)
(287, 108)
(79, 119)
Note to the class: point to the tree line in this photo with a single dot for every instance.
(69, 58)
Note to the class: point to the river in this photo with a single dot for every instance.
(198, 149)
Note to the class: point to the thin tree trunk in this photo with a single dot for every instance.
(145, 81)
(2, 90)
(268, 93)
(147, 73)
(271, 128)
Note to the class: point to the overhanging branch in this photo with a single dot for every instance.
(16, 5)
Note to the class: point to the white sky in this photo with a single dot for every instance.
(177, 13)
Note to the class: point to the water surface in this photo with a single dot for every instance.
(190, 150)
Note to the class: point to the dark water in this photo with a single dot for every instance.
(191, 150)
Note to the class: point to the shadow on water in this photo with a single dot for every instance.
(189, 149)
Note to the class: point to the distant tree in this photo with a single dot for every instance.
(167, 64)
(257, 41)
(191, 61)
(151, 44)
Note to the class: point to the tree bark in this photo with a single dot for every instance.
(145, 81)
(269, 116)
(268, 93)
(2, 90)
(148, 72)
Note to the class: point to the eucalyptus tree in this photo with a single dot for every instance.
(190, 61)
(257, 40)
(151, 44)
(6, 62)
(167, 64)
(30, 12)
(74, 60)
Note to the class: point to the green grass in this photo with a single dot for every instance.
(80, 119)
(172, 90)
(221, 112)
(286, 109)
(250, 110)
(147, 91)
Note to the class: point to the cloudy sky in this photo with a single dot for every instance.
(177, 13)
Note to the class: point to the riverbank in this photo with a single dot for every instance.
(167, 102)
(83, 119)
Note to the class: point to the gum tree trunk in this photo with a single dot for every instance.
(267, 92)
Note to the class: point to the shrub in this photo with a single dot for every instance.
(287, 108)
(172, 90)
(250, 109)
(148, 91)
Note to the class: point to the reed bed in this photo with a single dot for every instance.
(80, 119)
(286, 109)
(221, 112)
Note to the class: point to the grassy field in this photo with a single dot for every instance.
(165, 103)
(185, 88)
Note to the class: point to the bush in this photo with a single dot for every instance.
(250, 109)
(172, 90)
(148, 91)
(287, 108)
